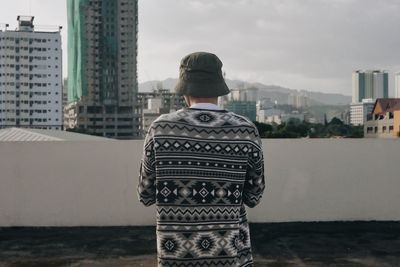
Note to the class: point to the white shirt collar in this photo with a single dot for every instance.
(209, 106)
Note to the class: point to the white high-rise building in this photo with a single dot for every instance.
(360, 111)
(397, 85)
(30, 77)
(298, 100)
(249, 94)
(237, 95)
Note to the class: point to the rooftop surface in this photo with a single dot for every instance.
(343, 244)
(24, 134)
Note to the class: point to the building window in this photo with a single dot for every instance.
(384, 129)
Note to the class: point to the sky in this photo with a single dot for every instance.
(304, 44)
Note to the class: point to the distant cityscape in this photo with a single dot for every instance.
(101, 94)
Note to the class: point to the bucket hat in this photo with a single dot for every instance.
(200, 75)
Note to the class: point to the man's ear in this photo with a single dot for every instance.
(184, 102)
(187, 100)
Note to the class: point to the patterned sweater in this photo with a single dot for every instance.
(200, 167)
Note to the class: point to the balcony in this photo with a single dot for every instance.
(329, 202)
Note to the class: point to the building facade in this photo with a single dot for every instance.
(397, 85)
(269, 115)
(384, 120)
(156, 103)
(30, 76)
(168, 99)
(299, 100)
(102, 68)
(248, 94)
(370, 84)
(244, 108)
(360, 111)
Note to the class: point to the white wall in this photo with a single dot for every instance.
(94, 183)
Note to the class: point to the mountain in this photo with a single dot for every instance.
(151, 85)
(275, 92)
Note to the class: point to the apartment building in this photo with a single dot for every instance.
(102, 68)
(244, 108)
(168, 99)
(360, 111)
(156, 103)
(299, 100)
(30, 76)
(370, 84)
(384, 120)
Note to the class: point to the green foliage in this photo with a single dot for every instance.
(263, 128)
(295, 128)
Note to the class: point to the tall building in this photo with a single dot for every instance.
(156, 103)
(264, 103)
(244, 108)
(248, 94)
(30, 76)
(252, 94)
(102, 62)
(397, 85)
(169, 100)
(298, 100)
(370, 84)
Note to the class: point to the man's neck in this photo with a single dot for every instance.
(210, 106)
(196, 100)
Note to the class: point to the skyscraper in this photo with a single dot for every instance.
(102, 62)
(367, 87)
(30, 76)
(397, 85)
(370, 84)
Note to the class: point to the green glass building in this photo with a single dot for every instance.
(370, 84)
(102, 68)
(244, 108)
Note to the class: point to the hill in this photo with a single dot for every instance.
(275, 92)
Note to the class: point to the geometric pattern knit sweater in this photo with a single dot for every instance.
(200, 167)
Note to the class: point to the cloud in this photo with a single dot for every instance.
(311, 44)
(303, 44)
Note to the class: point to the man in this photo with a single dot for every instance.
(200, 166)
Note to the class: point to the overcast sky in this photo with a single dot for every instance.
(302, 44)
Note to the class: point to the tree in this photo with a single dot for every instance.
(336, 121)
(294, 128)
(263, 128)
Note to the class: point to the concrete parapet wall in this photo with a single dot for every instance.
(93, 183)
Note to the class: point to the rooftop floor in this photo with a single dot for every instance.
(347, 244)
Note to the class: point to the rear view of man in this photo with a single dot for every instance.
(200, 166)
